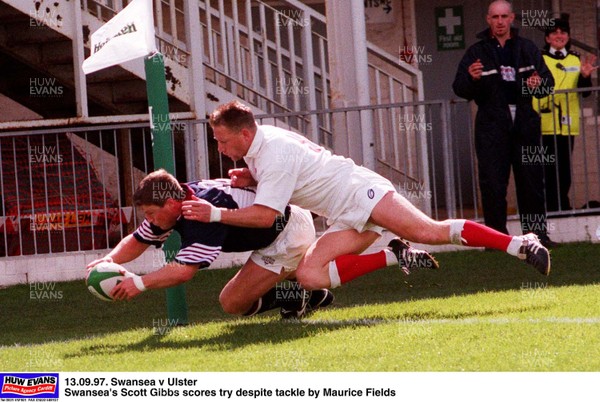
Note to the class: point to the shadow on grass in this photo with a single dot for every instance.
(76, 314)
(239, 334)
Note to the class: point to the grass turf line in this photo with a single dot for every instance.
(483, 311)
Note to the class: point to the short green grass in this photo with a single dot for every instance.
(484, 311)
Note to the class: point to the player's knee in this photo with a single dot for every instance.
(308, 280)
(231, 306)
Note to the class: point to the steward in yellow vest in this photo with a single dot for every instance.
(560, 112)
(564, 107)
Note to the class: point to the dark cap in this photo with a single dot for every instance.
(558, 23)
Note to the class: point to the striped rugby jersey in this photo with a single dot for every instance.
(201, 242)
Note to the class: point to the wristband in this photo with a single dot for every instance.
(139, 283)
(215, 214)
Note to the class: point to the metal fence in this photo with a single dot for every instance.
(571, 151)
(70, 189)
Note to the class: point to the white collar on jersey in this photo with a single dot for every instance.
(256, 143)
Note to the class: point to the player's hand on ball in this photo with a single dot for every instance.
(241, 178)
(105, 276)
(198, 210)
(125, 290)
(98, 261)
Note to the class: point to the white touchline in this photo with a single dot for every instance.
(462, 321)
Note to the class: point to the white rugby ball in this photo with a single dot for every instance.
(102, 279)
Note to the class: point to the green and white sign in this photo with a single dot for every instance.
(450, 28)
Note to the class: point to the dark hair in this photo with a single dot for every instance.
(233, 115)
(156, 188)
(561, 23)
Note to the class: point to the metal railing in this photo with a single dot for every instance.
(582, 153)
(70, 189)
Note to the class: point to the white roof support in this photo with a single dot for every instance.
(196, 138)
(349, 74)
(81, 99)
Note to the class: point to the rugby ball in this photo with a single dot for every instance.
(103, 277)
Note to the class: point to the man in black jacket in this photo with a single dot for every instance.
(501, 73)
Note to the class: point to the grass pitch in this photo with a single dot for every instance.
(483, 311)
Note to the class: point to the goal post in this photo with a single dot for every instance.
(162, 152)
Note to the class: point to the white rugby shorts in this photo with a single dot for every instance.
(364, 190)
(289, 247)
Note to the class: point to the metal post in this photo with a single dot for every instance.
(349, 73)
(362, 83)
(78, 57)
(448, 160)
(195, 137)
(308, 71)
(162, 150)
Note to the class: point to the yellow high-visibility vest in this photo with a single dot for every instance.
(560, 112)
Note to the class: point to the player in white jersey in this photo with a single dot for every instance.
(287, 167)
(277, 248)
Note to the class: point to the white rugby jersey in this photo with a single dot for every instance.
(201, 243)
(291, 169)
